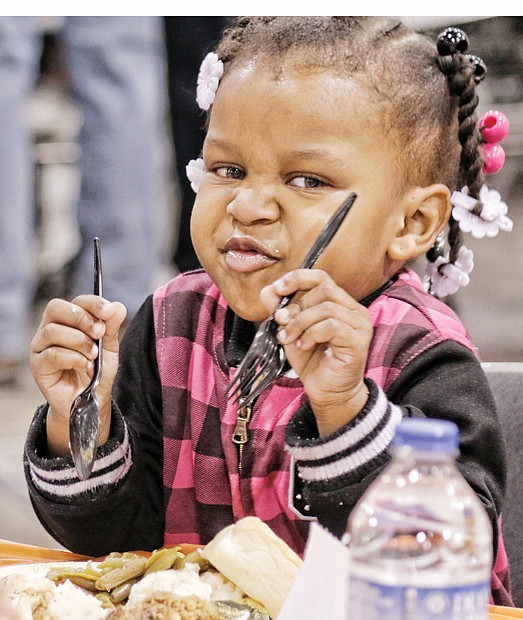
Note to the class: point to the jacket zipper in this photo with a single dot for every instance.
(240, 435)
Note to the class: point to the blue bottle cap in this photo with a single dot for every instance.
(427, 434)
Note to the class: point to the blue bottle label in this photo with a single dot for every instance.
(375, 601)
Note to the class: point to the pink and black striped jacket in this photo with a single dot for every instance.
(420, 363)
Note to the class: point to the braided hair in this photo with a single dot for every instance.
(463, 73)
(425, 94)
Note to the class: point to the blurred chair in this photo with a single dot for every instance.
(506, 382)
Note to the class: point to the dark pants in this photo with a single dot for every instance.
(188, 40)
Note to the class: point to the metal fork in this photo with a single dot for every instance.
(84, 423)
(265, 358)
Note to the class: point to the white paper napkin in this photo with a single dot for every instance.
(321, 589)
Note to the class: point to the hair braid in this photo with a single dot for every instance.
(463, 85)
(471, 163)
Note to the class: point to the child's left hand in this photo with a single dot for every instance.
(326, 335)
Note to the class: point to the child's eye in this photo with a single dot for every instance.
(229, 172)
(306, 182)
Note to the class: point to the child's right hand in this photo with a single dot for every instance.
(61, 359)
(326, 335)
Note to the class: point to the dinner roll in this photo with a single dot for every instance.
(251, 555)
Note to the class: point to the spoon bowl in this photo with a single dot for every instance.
(84, 430)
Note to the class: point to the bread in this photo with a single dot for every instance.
(251, 555)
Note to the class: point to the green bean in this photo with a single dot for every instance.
(60, 573)
(195, 557)
(111, 561)
(132, 568)
(105, 598)
(84, 582)
(121, 592)
(163, 559)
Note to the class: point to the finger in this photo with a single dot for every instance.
(269, 298)
(325, 289)
(300, 283)
(327, 292)
(291, 311)
(293, 283)
(344, 318)
(55, 335)
(99, 307)
(299, 280)
(113, 325)
(272, 294)
(75, 315)
(335, 332)
(58, 359)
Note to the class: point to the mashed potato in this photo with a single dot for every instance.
(178, 582)
(39, 598)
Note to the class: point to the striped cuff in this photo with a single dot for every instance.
(349, 454)
(56, 478)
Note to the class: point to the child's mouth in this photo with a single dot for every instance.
(247, 260)
(245, 254)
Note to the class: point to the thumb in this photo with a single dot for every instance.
(269, 298)
(116, 315)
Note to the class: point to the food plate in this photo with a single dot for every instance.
(245, 564)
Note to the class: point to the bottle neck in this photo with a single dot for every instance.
(409, 454)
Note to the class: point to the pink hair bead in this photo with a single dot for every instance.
(494, 126)
(493, 158)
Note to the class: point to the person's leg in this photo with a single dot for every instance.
(116, 66)
(20, 45)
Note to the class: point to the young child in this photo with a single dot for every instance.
(302, 112)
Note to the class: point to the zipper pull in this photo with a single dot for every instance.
(240, 435)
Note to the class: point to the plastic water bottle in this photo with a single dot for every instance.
(420, 540)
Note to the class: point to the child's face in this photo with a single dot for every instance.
(280, 157)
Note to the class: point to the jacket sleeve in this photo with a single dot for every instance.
(120, 506)
(446, 382)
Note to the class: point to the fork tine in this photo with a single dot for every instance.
(262, 383)
(241, 375)
(248, 396)
(247, 380)
(276, 365)
(242, 387)
(268, 367)
(269, 349)
(250, 363)
(245, 366)
(258, 383)
(259, 343)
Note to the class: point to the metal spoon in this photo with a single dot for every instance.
(233, 610)
(84, 423)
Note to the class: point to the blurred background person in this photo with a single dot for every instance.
(116, 73)
(188, 40)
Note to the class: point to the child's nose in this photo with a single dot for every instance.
(249, 206)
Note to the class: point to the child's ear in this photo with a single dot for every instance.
(426, 210)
